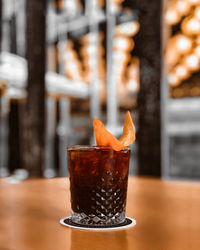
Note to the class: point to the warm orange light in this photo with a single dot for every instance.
(191, 62)
(183, 7)
(117, 1)
(194, 2)
(69, 54)
(177, 46)
(92, 38)
(123, 43)
(91, 50)
(129, 29)
(70, 6)
(92, 61)
(173, 79)
(101, 3)
(121, 57)
(172, 57)
(69, 44)
(72, 67)
(198, 40)
(197, 51)
(183, 44)
(133, 69)
(190, 26)
(172, 16)
(181, 72)
(115, 7)
(118, 71)
(197, 13)
(132, 85)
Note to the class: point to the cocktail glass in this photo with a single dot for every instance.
(98, 184)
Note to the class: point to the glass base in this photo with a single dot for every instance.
(129, 222)
(98, 220)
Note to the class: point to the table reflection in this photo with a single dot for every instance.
(89, 240)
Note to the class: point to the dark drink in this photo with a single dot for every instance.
(98, 184)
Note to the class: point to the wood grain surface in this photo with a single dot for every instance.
(167, 214)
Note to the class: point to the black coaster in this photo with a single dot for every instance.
(129, 222)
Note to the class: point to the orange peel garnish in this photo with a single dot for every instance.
(105, 138)
(128, 136)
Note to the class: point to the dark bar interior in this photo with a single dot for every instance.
(99, 124)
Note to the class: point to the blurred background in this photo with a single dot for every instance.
(64, 62)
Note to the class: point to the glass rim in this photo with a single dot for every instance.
(93, 147)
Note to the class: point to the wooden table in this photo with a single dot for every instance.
(167, 214)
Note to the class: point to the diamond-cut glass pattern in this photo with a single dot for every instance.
(107, 207)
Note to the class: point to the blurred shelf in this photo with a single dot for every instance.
(14, 70)
(184, 116)
(60, 25)
(184, 104)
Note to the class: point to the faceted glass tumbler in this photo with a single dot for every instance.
(98, 184)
